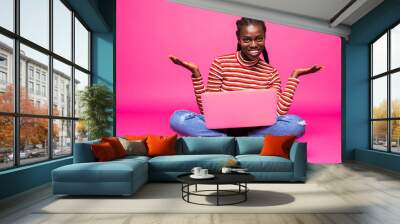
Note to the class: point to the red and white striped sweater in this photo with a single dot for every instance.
(231, 72)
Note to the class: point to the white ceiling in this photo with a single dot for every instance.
(327, 16)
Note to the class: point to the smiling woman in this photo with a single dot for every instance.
(242, 70)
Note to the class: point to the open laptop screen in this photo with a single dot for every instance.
(237, 109)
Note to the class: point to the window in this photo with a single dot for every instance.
(30, 72)
(6, 73)
(3, 61)
(34, 21)
(81, 45)
(3, 78)
(41, 83)
(7, 14)
(62, 31)
(62, 74)
(38, 89)
(30, 87)
(3, 72)
(38, 74)
(81, 81)
(44, 91)
(385, 94)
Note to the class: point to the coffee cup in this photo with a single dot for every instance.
(226, 170)
(203, 172)
(196, 171)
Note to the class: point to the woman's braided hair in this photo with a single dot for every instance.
(246, 22)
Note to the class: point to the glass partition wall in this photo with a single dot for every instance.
(44, 64)
(385, 91)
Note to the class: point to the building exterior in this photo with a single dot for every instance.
(34, 80)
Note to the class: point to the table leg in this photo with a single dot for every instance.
(245, 193)
(217, 194)
(182, 190)
(188, 190)
(196, 188)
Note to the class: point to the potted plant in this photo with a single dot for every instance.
(96, 102)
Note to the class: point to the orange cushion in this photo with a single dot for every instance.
(161, 145)
(116, 145)
(135, 138)
(277, 146)
(103, 151)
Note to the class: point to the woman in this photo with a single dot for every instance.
(239, 71)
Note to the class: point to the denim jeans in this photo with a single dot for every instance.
(189, 123)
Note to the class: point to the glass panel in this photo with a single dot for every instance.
(81, 45)
(81, 131)
(395, 47)
(379, 56)
(34, 81)
(62, 29)
(33, 139)
(62, 89)
(62, 138)
(6, 74)
(379, 135)
(81, 81)
(35, 21)
(6, 142)
(7, 14)
(379, 98)
(395, 94)
(395, 136)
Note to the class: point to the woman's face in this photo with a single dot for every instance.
(252, 41)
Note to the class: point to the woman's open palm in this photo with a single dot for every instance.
(309, 70)
(186, 64)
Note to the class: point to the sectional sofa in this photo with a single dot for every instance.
(125, 176)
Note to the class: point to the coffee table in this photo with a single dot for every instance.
(238, 179)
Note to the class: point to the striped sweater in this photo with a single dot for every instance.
(231, 72)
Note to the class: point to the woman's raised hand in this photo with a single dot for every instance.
(186, 64)
(304, 71)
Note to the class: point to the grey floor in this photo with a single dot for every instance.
(378, 188)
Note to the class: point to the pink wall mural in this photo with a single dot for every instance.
(150, 88)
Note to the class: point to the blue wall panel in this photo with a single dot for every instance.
(24, 178)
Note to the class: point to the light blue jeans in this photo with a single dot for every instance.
(188, 123)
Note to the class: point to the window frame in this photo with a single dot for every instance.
(388, 74)
(16, 114)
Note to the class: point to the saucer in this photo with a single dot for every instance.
(208, 176)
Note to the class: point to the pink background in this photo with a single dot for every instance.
(150, 87)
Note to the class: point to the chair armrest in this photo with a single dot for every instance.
(83, 152)
(298, 155)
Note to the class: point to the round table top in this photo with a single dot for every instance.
(220, 178)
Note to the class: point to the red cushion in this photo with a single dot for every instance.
(277, 146)
(116, 145)
(103, 152)
(161, 145)
(134, 137)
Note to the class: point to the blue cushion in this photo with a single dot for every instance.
(249, 145)
(111, 171)
(257, 163)
(207, 145)
(185, 163)
(133, 157)
(83, 153)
